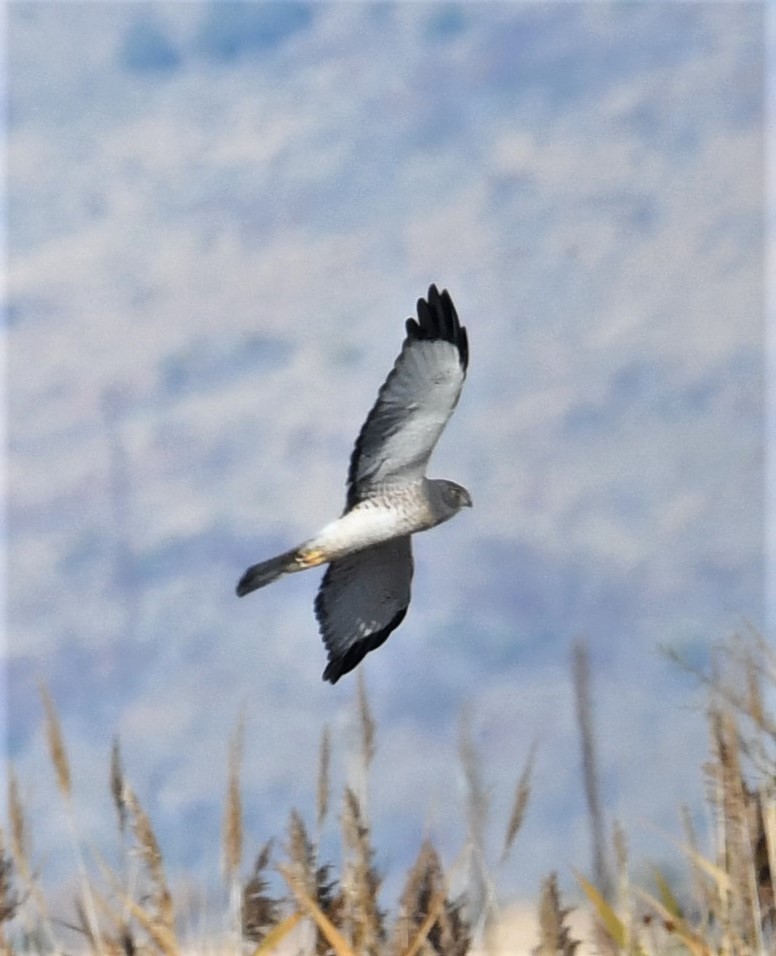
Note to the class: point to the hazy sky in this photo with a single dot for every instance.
(219, 217)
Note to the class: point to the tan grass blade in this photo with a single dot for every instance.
(703, 890)
(324, 766)
(623, 898)
(122, 940)
(522, 794)
(21, 854)
(360, 882)
(583, 697)
(336, 940)
(301, 852)
(610, 921)
(56, 744)
(159, 933)
(477, 803)
(277, 934)
(118, 789)
(19, 842)
(162, 935)
(117, 785)
(620, 846)
(233, 815)
(366, 722)
(717, 874)
(61, 766)
(151, 855)
(481, 893)
(232, 835)
(667, 898)
(678, 925)
(119, 922)
(434, 912)
(84, 927)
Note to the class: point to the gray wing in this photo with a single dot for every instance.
(415, 402)
(362, 598)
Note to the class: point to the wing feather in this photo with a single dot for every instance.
(415, 402)
(361, 600)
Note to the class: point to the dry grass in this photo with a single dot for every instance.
(723, 905)
(583, 696)
(555, 939)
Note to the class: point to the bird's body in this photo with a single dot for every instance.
(366, 589)
(389, 514)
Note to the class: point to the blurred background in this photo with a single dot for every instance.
(219, 216)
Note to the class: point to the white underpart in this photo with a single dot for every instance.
(367, 524)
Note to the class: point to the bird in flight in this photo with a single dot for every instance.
(365, 592)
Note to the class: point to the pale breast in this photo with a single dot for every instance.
(376, 520)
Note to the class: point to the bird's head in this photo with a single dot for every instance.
(448, 498)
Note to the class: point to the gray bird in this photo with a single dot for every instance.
(365, 592)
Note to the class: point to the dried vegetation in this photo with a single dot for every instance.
(293, 902)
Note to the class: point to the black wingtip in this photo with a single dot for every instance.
(341, 664)
(438, 320)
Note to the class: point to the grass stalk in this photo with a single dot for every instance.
(58, 756)
(724, 907)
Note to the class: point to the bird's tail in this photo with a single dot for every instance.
(264, 573)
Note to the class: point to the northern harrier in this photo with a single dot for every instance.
(365, 592)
